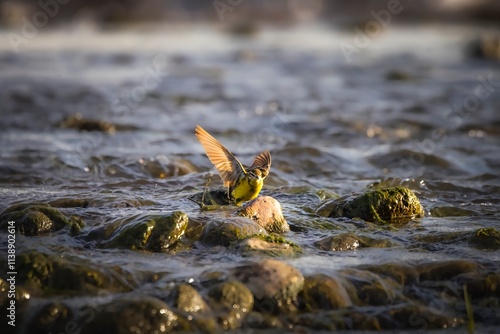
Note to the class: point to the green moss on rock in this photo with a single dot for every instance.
(267, 245)
(389, 205)
(485, 238)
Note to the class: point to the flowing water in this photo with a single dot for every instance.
(417, 112)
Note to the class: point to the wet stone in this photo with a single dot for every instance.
(80, 123)
(188, 300)
(53, 317)
(322, 292)
(157, 233)
(53, 275)
(134, 315)
(224, 233)
(267, 245)
(232, 302)
(367, 288)
(395, 205)
(39, 219)
(265, 211)
(401, 273)
(486, 238)
(351, 241)
(274, 284)
(445, 270)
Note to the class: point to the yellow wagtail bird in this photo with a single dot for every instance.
(244, 183)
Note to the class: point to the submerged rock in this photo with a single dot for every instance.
(232, 301)
(486, 238)
(80, 123)
(223, 233)
(388, 205)
(155, 233)
(445, 270)
(53, 317)
(274, 284)
(53, 274)
(322, 292)
(265, 211)
(134, 315)
(187, 299)
(267, 245)
(38, 219)
(350, 241)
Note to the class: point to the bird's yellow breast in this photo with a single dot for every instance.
(246, 189)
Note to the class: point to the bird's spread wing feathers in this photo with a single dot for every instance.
(225, 162)
(263, 160)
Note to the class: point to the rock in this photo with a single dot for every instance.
(348, 319)
(52, 274)
(267, 245)
(211, 199)
(274, 284)
(366, 288)
(401, 273)
(38, 219)
(450, 211)
(157, 233)
(80, 123)
(486, 238)
(445, 270)
(350, 241)
(53, 317)
(232, 301)
(398, 75)
(388, 205)
(188, 300)
(265, 211)
(322, 292)
(134, 315)
(223, 233)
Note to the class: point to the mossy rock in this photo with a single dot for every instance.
(157, 233)
(224, 233)
(393, 205)
(38, 219)
(485, 238)
(186, 298)
(267, 245)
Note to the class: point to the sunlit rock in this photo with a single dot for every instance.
(266, 211)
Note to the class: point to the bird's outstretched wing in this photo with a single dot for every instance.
(229, 168)
(262, 161)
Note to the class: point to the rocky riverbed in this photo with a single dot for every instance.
(380, 211)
